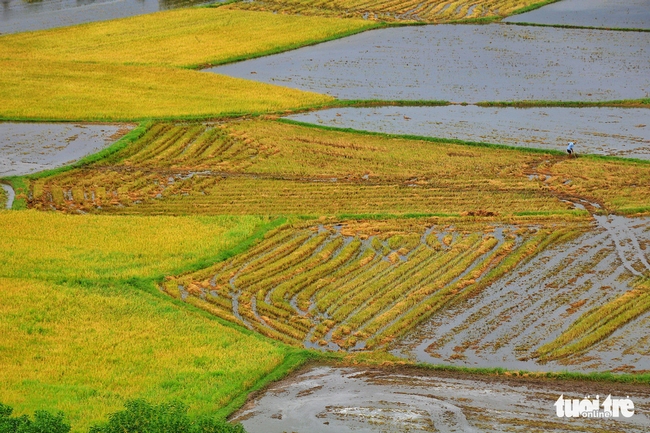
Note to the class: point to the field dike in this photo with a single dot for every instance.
(353, 285)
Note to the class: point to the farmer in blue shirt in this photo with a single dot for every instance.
(569, 148)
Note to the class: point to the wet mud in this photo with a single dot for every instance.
(20, 15)
(632, 14)
(27, 148)
(10, 195)
(329, 399)
(467, 63)
(605, 131)
(533, 305)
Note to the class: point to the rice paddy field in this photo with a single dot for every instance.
(630, 14)
(431, 11)
(461, 63)
(74, 74)
(217, 246)
(84, 328)
(610, 131)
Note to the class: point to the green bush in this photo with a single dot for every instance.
(142, 417)
(44, 422)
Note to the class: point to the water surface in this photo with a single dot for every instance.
(465, 63)
(634, 14)
(31, 147)
(605, 131)
(21, 15)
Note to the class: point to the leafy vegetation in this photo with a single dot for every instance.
(43, 422)
(139, 416)
(434, 11)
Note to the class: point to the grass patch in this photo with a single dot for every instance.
(624, 103)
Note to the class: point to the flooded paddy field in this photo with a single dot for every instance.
(604, 131)
(537, 302)
(465, 63)
(322, 399)
(20, 15)
(27, 148)
(632, 14)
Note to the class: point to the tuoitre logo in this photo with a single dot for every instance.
(592, 408)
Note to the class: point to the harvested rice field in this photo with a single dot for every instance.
(177, 168)
(610, 131)
(461, 63)
(551, 299)
(446, 267)
(360, 284)
(358, 399)
(431, 11)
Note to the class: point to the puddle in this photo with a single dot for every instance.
(328, 399)
(465, 63)
(11, 195)
(633, 14)
(24, 15)
(539, 298)
(27, 148)
(605, 131)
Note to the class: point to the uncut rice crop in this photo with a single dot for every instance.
(360, 284)
(599, 323)
(429, 10)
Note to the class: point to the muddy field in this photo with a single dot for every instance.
(604, 131)
(20, 15)
(465, 63)
(512, 318)
(633, 14)
(322, 399)
(31, 147)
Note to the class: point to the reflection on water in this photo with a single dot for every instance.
(24, 15)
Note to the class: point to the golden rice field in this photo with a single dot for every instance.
(434, 11)
(361, 284)
(186, 168)
(84, 329)
(132, 68)
(86, 350)
(92, 91)
(179, 38)
(57, 247)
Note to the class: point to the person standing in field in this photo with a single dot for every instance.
(569, 148)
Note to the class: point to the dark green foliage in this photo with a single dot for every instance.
(44, 422)
(143, 417)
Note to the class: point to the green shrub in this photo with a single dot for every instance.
(142, 417)
(44, 422)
